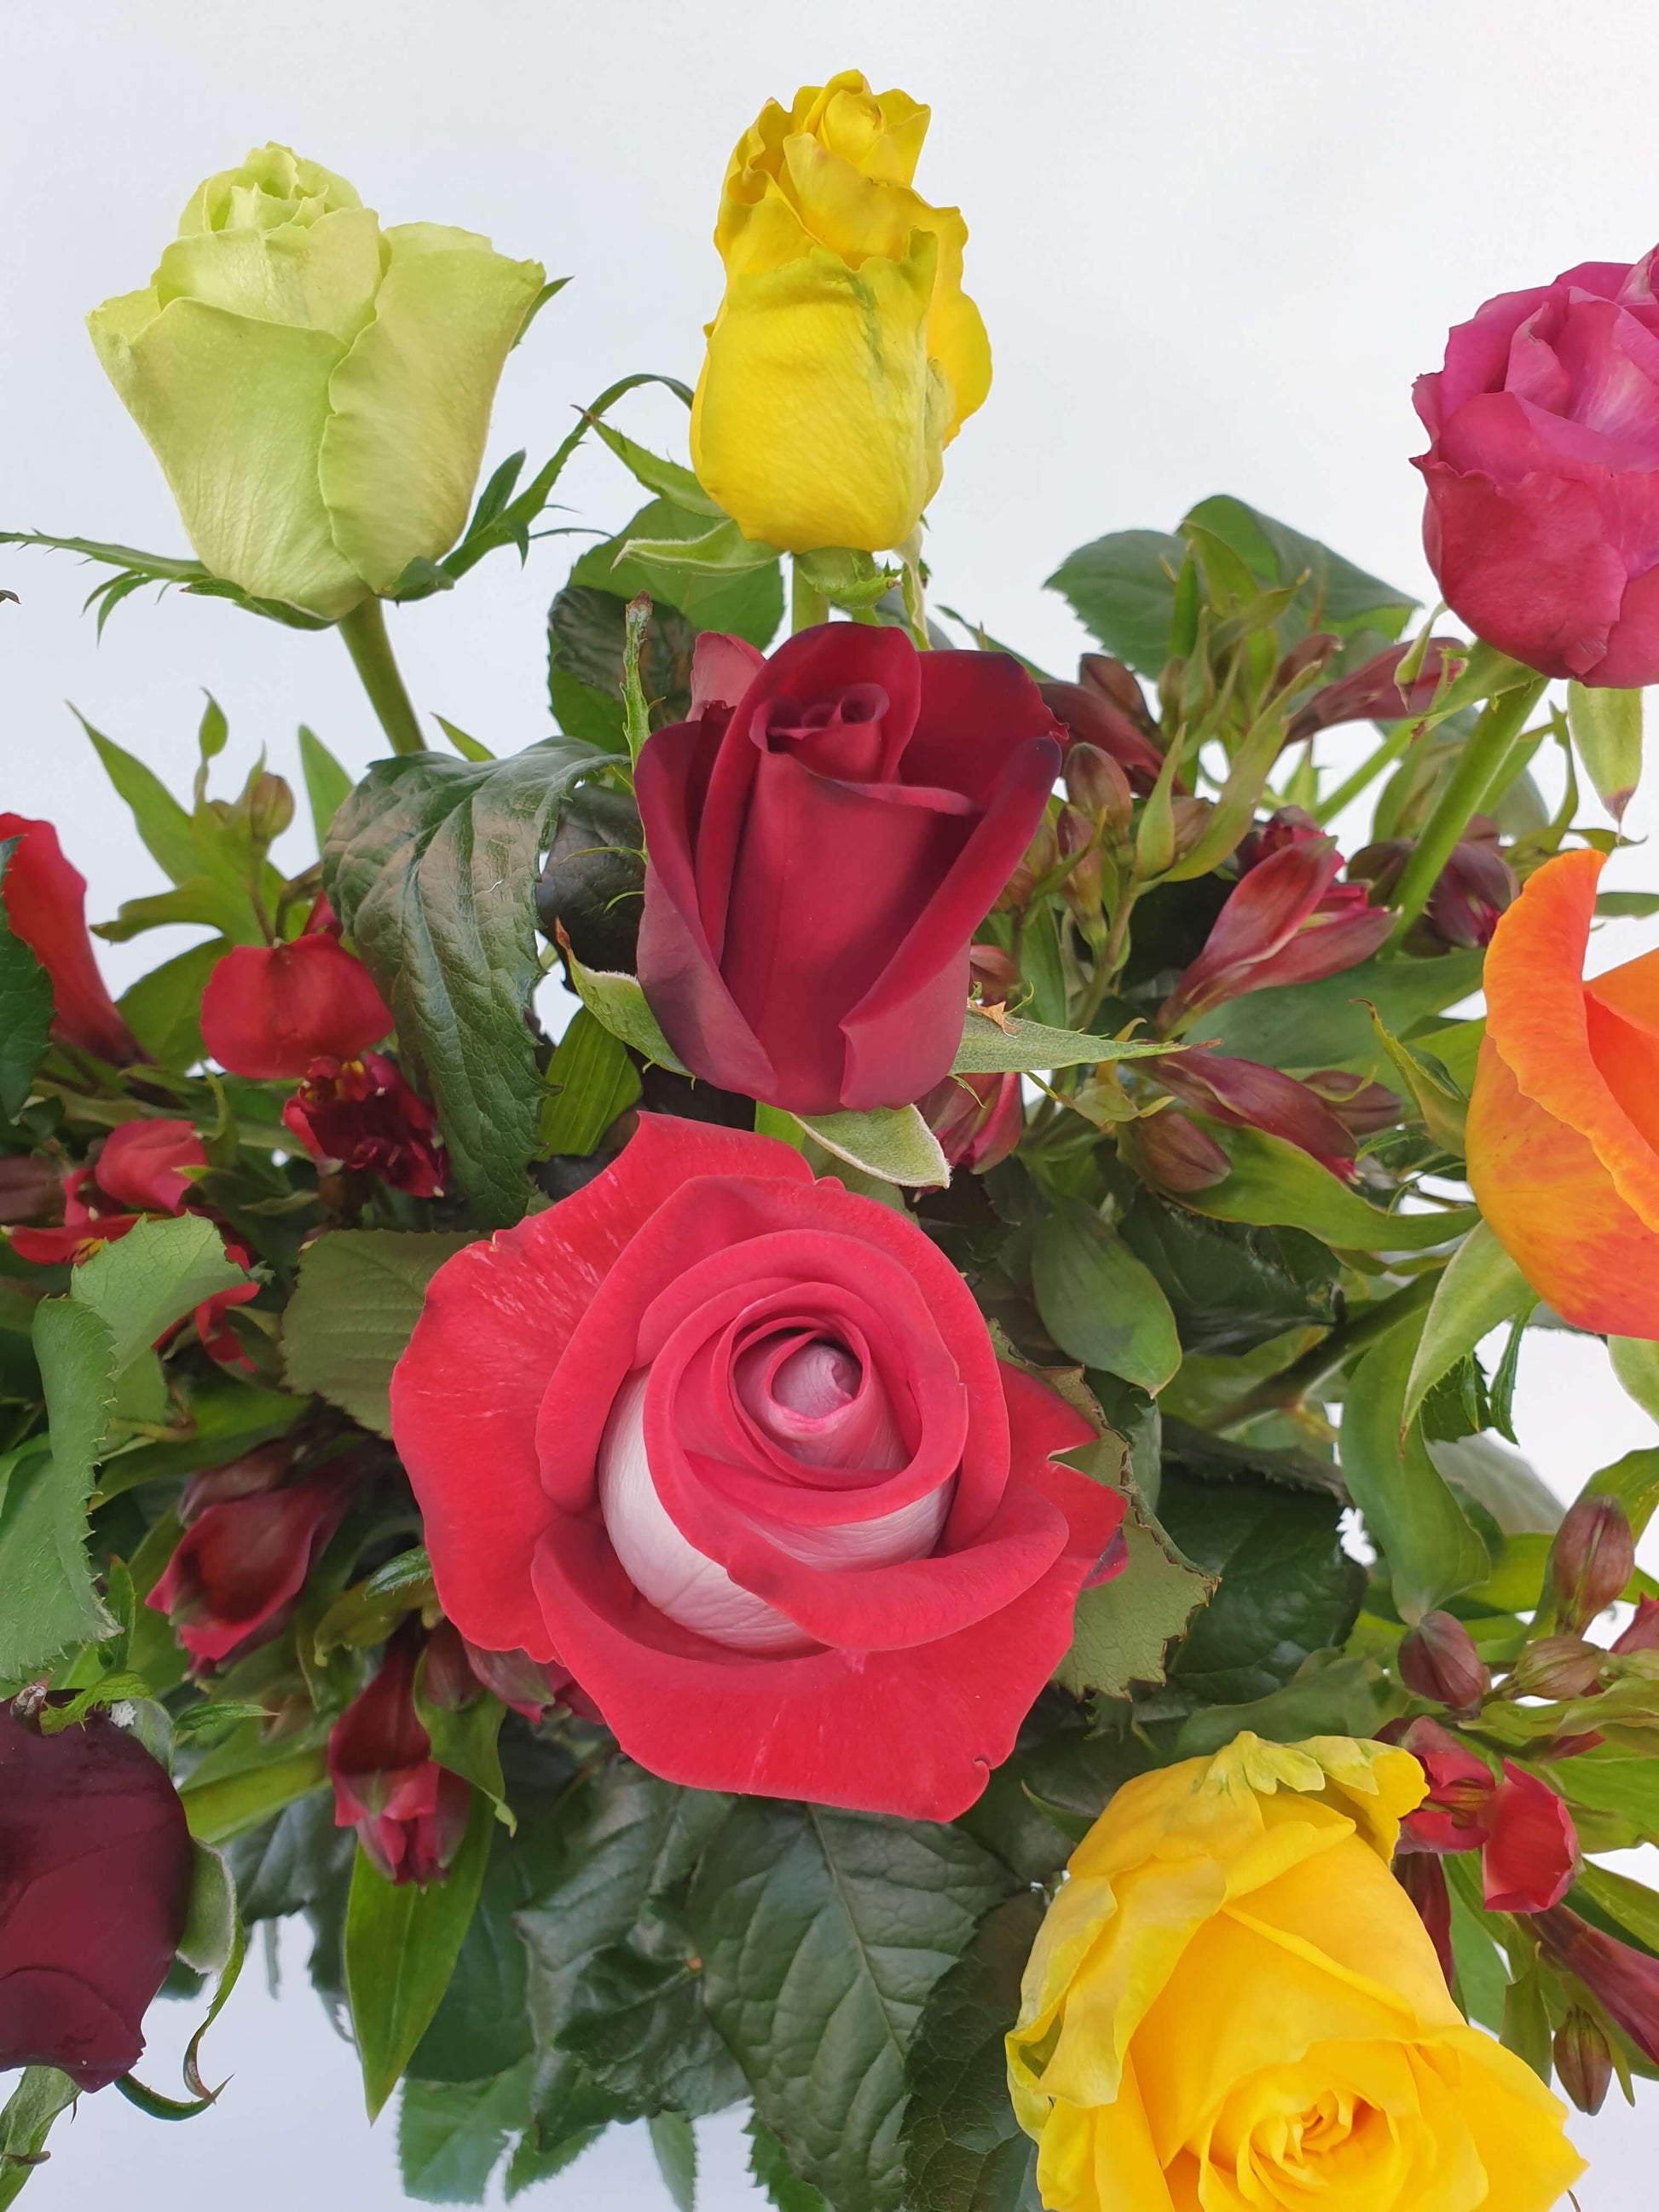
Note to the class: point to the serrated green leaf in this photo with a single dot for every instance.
(821, 1934)
(1480, 1289)
(328, 786)
(1274, 1181)
(287, 1863)
(675, 2147)
(1098, 1301)
(643, 2034)
(150, 1279)
(1123, 1629)
(354, 1310)
(451, 2135)
(963, 2149)
(50, 1601)
(1122, 589)
(1330, 593)
(25, 1009)
(768, 2162)
(401, 1944)
(1411, 1517)
(1015, 1045)
(1231, 1285)
(431, 864)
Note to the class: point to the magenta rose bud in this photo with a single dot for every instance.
(733, 1446)
(1542, 520)
(95, 1863)
(819, 853)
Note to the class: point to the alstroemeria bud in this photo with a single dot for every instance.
(411, 1814)
(1114, 680)
(1642, 1634)
(1379, 866)
(1438, 1660)
(1363, 1108)
(363, 1116)
(1558, 1667)
(1471, 893)
(1171, 1152)
(1372, 693)
(1584, 2061)
(30, 1186)
(978, 1119)
(96, 1862)
(45, 905)
(270, 809)
(1248, 1095)
(1624, 1979)
(270, 1011)
(1039, 860)
(1314, 651)
(449, 1681)
(1423, 1881)
(996, 974)
(1594, 1559)
(1091, 717)
(239, 1567)
(250, 1476)
(1097, 784)
(527, 1686)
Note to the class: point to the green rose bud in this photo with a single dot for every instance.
(316, 389)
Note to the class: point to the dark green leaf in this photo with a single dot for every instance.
(1331, 1693)
(644, 2035)
(1327, 1024)
(676, 2148)
(287, 1863)
(401, 1944)
(768, 2162)
(746, 600)
(1231, 1286)
(25, 1009)
(163, 1009)
(592, 882)
(451, 2135)
(963, 2149)
(585, 636)
(1275, 1183)
(431, 864)
(50, 1602)
(353, 1311)
(482, 2026)
(1331, 594)
(590, 1080)
(822, 1934)
(1286, 1587)
(1071, 1770)
(1122, 589)
(1098, 1301)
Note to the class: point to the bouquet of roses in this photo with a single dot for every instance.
(907, 1524)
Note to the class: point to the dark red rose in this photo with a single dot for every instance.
(734, 1447)
(46, 902)
(95, 1865)
(411, 1814)
(241, 1564)
(1542, 521)
(1522, 1829)
(361, 1114)
(820, 851)
(269, 1011)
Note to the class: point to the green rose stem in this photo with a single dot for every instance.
(366, 640)
(1478, 774)
(1332, 1352)
(807, 605)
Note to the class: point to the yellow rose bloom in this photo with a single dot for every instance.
(1233, 2007)
(845, 355)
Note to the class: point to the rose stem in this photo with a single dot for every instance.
(366, 640)
(1474, 776)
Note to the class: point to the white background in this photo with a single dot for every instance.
(1213, 243)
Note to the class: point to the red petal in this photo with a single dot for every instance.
(1533, 1855)
(270, 1011)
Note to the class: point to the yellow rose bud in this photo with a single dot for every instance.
(316, 389)
(845, 355)
(1233, 2007)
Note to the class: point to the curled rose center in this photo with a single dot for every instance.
(802, 1403)
(849, 737)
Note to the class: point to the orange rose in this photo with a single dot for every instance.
(1564, 1124)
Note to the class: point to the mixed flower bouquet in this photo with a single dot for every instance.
(907, 1524)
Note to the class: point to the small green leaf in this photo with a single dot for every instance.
(590, 1080)
(891, 1142)
(470, 749)
(163, 1009)
(675, 2149)
(636, 712)
(1327, 1024)
(1274, 1180)
(1330, 593)
(1098, 1301)
(168, 831)
(667, 480)
(989, 1048)
(1431, 1550)
(354, 1309)
(618, 1003)
(1122, 589)
(401, 1944)
(210, 1921)
(229, 1805)
(25, 1009)
(746, 601)
(1606, 728)
(1123, 1629)
(722, 551)
(50, 1601)
(41, 2093)
(1636, 1366)
(848, 580)
(1481, 1289)
(1231, 1286)
(328, 786)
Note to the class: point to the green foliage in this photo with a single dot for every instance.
(430, 865)
(327, 785)
(768, 2162)
(25, 1008)
(892, 1143)
(717, 578)
(676, 2148)
(41, 2093)
(163, 1009)
(1123, 1628)
(287, 1862)
(587, 640)
(1230, 1286)
(451, 2135)
(354, 1310)
(1098, 1301)
(1327, 1024)
(821, 1934)
(590, 1080)
(1275, 1183)
(1122, 589)
(995, 1047)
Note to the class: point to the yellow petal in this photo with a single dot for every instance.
(1519, 2129)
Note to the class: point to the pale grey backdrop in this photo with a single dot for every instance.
(1214, 242)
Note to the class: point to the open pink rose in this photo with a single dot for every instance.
(1542, 523)
(732, 1447)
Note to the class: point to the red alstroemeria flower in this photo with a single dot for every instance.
(46, 903)
(1522, 1829)
(241, 1564)
(269, 1011)
(734, 1447)
(1248, 1096)
(978, 1119)
(361, 1115)
(411, 1814)
(1625, 1979)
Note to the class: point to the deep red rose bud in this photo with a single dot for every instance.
(1560, 1666)
(1372, 693)
(1090, 717)
(1583, 2061)
(1096, 785)
(361, 1115)
(819, 857)
(1171, 1151)
(1593, 1560)
(270, 1011)
(1530, 1860)
(249, 1476)
(239, 1566)
(1423, 1881)
(1438, 1660)
(978, 1119)
(1642, 1634)
(1626, 1980)
(411, 1814)
(96, 1866)
(142, 1166)
(46, 903)
(1542, 497)
(1247, 1095)
(1471, 893)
